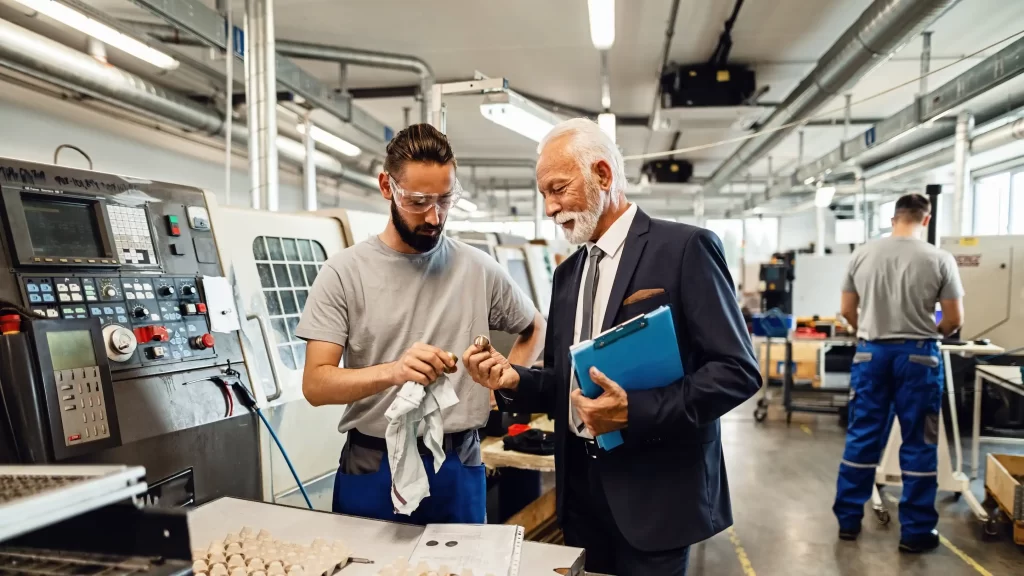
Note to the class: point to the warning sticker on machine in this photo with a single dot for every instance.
(968, 260)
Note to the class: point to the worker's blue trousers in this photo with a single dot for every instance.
(458, 494)
(905, 378)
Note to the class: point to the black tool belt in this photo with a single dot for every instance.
(450, 441)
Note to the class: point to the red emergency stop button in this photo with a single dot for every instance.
(151, 334)
(203, 342)
(201, 308)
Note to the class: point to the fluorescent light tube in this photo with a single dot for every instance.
(465, 205)
(606, 122)
(823, 197)
(602, 23)
(330, 140)
(101, 32)
(519, 115)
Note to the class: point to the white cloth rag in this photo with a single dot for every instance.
(416, 409)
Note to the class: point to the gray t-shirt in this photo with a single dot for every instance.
(376, 303)
(899, 280)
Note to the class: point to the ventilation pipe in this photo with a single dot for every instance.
(53, 62)
(961, 167)
(368, 58)
(261, 93)
(880, 32)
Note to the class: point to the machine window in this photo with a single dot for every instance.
(287, 267)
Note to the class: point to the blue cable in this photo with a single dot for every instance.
(285, 454)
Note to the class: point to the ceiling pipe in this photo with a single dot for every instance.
(51, 61)
(880, 32)
(368, 58)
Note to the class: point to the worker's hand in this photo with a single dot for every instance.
(489, 368)
(422, 364)
(606, 413)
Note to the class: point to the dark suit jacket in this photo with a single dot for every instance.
(666, 486)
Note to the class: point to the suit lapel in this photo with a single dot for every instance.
(570, 302)
(636, 240)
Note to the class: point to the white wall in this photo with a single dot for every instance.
(799, 231)
(34, 125)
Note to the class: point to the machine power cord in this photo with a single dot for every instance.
(250, 402)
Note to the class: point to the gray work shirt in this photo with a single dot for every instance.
(376, 303)
(899, 280)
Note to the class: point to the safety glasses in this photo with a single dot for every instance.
(418, 202)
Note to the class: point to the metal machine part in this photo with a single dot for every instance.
(126, 258)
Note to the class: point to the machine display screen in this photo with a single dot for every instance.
(517, 269)
(61, 228)
(71, 349)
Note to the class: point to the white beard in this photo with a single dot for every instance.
(584, 222)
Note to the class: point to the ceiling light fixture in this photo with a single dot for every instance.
(518, 114)
(100, 31)
(606, 121)
(330, 140)
(823, 197)
(602, 23)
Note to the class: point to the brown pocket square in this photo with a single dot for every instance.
(641, 295)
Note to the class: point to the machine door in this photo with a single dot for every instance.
(986, 267)
(272, 259)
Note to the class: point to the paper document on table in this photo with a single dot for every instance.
(483, 548)
(220, 304)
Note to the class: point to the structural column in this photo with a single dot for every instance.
(261, 94)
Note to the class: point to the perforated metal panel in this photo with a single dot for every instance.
(287, 268)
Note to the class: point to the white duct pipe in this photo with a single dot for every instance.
(259, 15)
(369, 58)
(309, 165)
(961, 169)
(53, 62)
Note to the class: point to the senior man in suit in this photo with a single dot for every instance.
(636, 509)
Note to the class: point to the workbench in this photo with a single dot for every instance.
(1006, 377)
(381, 542)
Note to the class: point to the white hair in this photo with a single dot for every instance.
(589, 144)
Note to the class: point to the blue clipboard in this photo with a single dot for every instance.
(640, 354)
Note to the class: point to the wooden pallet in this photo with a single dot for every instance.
(1001, 483)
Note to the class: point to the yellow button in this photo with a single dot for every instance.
(37, 259)
(48, 259)
(64, 260)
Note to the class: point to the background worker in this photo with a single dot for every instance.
(638, 508)
(393, 306)
(896, 282)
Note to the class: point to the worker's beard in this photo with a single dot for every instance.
(416, 238)
(584, 221)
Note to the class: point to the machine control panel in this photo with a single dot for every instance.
(82, 410)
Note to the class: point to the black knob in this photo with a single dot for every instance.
(188, 290)
(141, 312)
(167, 290)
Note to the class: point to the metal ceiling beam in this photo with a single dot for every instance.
(210, 27)
(1001, 67)
(880, 32)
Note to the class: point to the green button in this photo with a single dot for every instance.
(172, 219)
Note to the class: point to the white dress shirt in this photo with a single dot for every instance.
(611, 243)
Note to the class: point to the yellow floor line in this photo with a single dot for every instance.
(952, 548)
(806, 429)
(741, 554)
(963, 556)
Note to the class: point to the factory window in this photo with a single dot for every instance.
(287, 268)
(992, 205)
(730, 232)
(1017, 204)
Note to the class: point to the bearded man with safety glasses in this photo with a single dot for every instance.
(393, 306)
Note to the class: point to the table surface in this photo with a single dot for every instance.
(382, 542)
(1009, 374)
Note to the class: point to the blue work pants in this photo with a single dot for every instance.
(905, 378)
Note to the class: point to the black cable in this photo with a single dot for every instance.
(72, 147)
(720, 57)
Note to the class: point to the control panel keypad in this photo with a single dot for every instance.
(83, 409)
(132, 237)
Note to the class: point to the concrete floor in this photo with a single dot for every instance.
(782, 479)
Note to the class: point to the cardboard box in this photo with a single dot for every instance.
(1004, 482)
(805, 360)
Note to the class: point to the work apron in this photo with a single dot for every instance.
(458, 493)
(904, 379)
